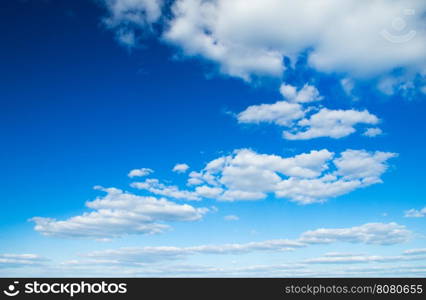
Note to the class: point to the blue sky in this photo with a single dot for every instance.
(301, 146)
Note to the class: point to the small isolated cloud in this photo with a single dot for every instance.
(180, 168)
(281, 113)
(231, 218)
(140, 172)
(130, 18)
(308, 93)
(120, 213)
(20, 260)
(348, 85)
(372, 132)
(415, 213)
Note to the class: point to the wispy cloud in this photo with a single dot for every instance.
(21, 260)
(415, 213)
(120, 213)
(370, 234)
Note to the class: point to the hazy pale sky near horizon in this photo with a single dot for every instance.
(213, 138)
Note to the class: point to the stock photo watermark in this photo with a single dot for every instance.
(69, 289)
(400, 33)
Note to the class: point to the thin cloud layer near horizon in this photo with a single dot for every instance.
(262, 138)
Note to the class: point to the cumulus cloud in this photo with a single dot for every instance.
(362, 165)
(120, 213)
(371, 233)
(308, 93)
(208, 191)
(252, 38)
(20, 260)
(305, 178)
(308, 122)
(415, 213)
(330, 123)
(180, 168)
(140, 172)
(282, 113)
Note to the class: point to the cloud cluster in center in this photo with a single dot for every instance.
(305, 178)
(308, 122)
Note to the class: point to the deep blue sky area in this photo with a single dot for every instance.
(77, 109)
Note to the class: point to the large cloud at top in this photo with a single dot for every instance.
(251, 37)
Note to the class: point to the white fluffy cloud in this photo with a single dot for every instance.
(308, 93)
(140, 172)
(120, 213)
(330, 123)
(305, 178)
(180, 168)
(415, 213)
(305, 123)
(282, 113)
(363, 166)
(252, 37)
